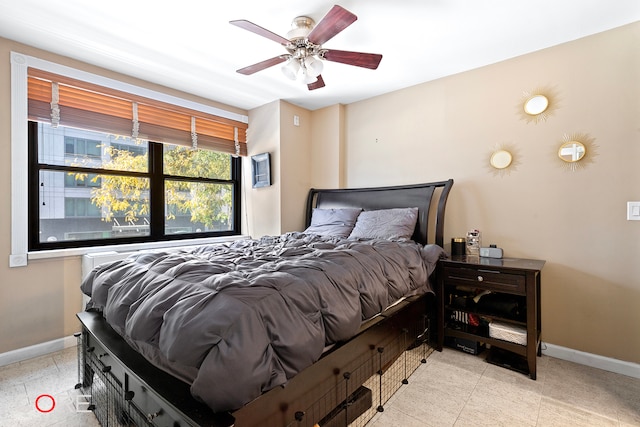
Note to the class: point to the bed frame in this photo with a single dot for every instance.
(123, 388)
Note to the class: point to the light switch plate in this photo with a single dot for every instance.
(633, 211)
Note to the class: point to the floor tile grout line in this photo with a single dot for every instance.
(466, 401)
(542, 388)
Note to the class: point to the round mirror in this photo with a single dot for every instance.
(501, 159)
(535, 105)
(572, 151)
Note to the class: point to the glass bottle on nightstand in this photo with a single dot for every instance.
(474, 241)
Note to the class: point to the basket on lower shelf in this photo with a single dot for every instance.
(508, 332)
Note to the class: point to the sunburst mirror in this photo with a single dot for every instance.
(502, 159)
(576, 151)
(537, 105)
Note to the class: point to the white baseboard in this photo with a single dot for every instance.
(595, 361)
(37, 350)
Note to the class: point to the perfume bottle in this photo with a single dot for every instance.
(474, 242)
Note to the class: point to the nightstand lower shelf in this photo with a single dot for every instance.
(508, 360)
(494, 342)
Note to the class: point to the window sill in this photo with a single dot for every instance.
(175, 244)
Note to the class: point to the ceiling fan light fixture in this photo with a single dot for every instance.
(306, 77)
(300, 28)
(314, 66)
(291, 69)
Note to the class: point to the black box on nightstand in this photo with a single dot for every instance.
(468, 346)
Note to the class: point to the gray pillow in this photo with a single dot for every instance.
(386, 224)
(333, 222)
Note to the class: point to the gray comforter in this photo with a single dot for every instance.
(237, 319)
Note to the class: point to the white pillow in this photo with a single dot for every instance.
(386, 224)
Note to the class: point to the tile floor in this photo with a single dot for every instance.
(37, 383)
(451, 389)
(457, 389)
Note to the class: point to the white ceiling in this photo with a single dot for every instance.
(189, 44)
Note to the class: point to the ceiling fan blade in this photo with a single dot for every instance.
(333, 22)
(257, 29)
(359, 59)
(317, 84)
(262, 65)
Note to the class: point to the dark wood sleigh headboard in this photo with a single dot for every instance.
(401, 196)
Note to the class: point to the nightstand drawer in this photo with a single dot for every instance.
(487, 278)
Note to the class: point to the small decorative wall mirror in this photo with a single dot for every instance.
(260, 170)
(576, 151)
(537, 104)
(572, 151)
(501, 159)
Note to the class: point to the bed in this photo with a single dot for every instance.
(277, 331)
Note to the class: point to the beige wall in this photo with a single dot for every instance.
(576, 221)
(434, 131)
(280, 207)
(327, 147)
(263, 215)
(38, 302)
(295, 153)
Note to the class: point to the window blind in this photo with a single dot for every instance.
(53, 98)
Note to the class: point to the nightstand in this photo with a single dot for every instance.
(480, 298)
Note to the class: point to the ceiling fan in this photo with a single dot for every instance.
(304, 47)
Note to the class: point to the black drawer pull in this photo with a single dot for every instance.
(106, 369)
(128, 395)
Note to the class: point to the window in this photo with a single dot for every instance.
(103, 188)
(82, 147)
(84, 180)
(217, 129)
(80, 207)
(107, 166)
